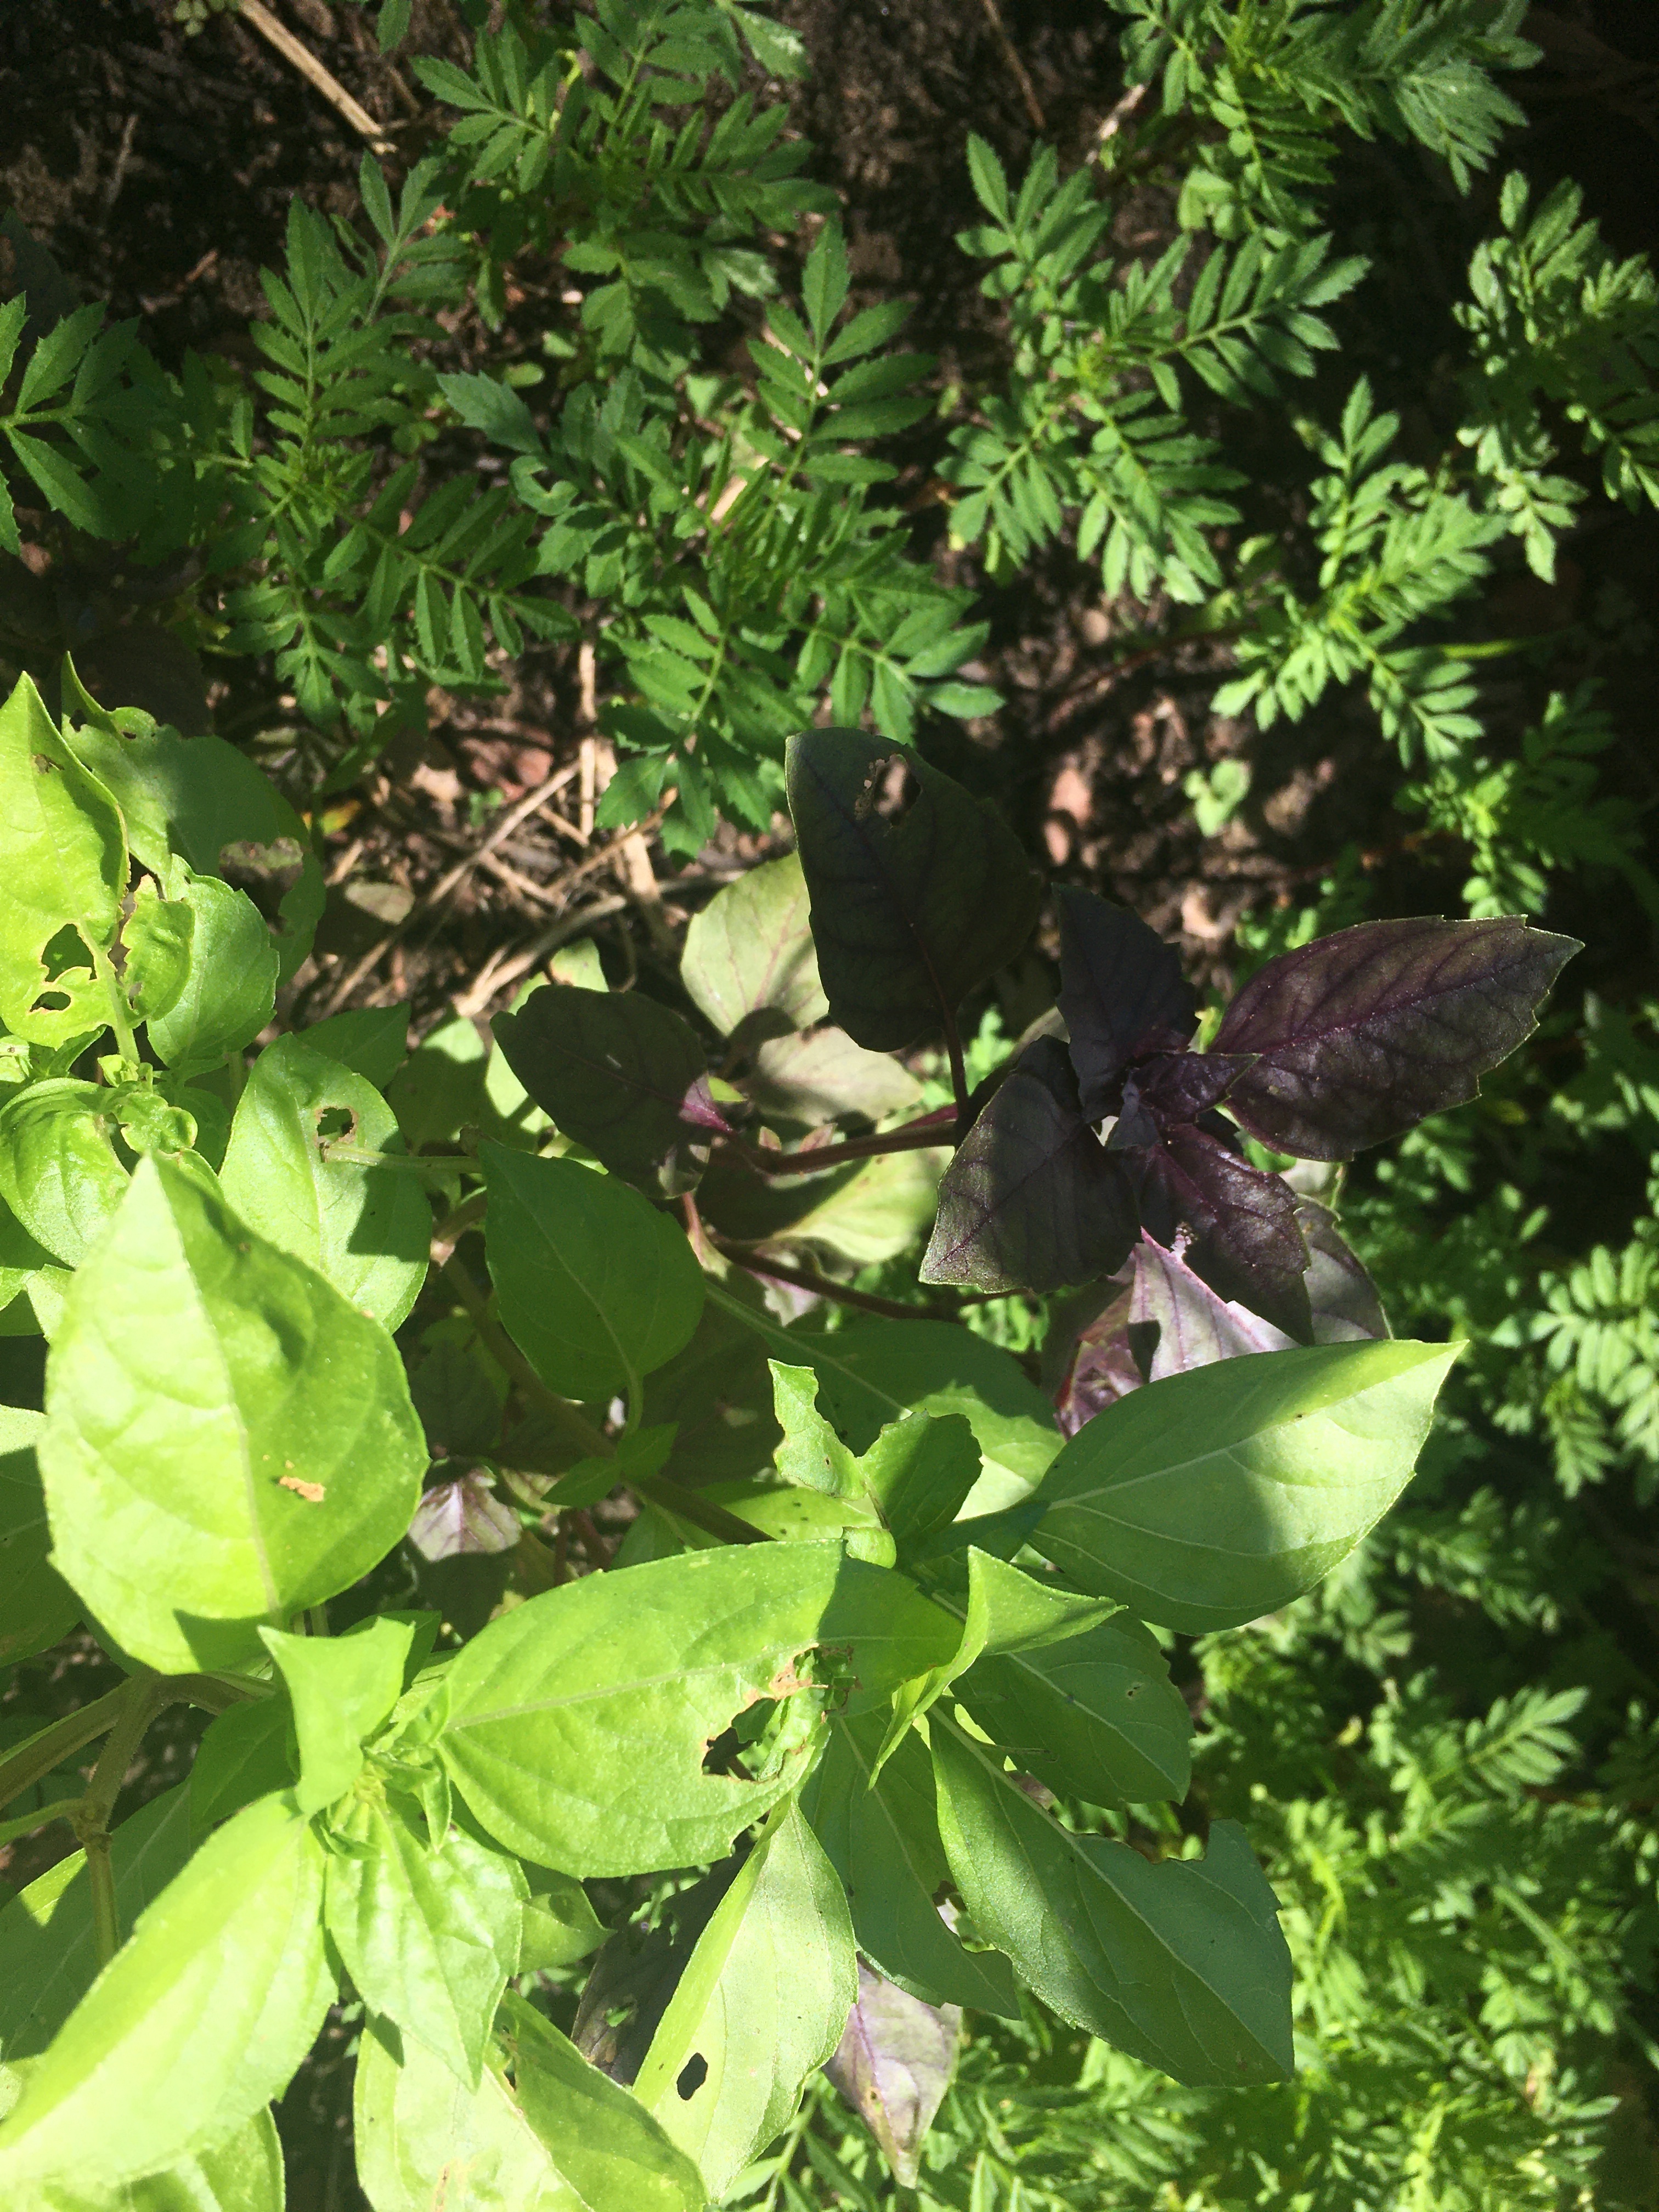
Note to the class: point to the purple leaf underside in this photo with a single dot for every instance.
(1032, 1201)
(893, 2066)
(1246, 1241)
(1360, 1035)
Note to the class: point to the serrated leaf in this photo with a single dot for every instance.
(1358, 1036)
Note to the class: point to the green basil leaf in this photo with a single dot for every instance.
(881, 1833)
(429, 1934)
(63, 875)
(244, 1755)
(48, 1944)
(578, 1722)
(229, 992)
(368, 1229)
(343, 1689)
(244, 2174)
(596, 1286)
(825, 1077)
(1206, 1500)
(560, 1923)
(751, 950)
(760, 2007)
(1181, 1964)
(37, 1607)
(603, 2141)
(200, 800)
(157, 939)
(373, 1042)
(200, 2019)
(253, 1455)
(58, 1171)
(425, 2141)
(441, 1086)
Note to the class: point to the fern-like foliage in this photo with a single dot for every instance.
(1556, 323)
(1265, 86)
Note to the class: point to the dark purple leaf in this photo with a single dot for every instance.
(1246, 1241)
(893, 2066)
(1088, 1360)
(1360, 1036)
(919, 890)
(1341, 1294)
(618, 1072)
(1186, 1324)
(1032, 1201)
(1182, 1085)
(1122, 991)
(466, 1516)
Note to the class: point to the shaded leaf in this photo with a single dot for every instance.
(1245, 1239)
(441, 1086)
(1122, 991)
(1032, 1199)
(893, 2066)
(825, 1077)
(464, 1516)
(751, 949)
(1181, 1964)
(912, 905)
(1210, 1498)
(37, 1605)
(1358, 1036)
(618, 1072)
(596, 1286)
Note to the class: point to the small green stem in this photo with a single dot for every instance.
(32, 1761)
(701, 1512)
(26, 1823)
(141, 1698)
(331, 1149)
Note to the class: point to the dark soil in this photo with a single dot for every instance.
(158, 170)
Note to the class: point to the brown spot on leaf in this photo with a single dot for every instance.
(312, 1493)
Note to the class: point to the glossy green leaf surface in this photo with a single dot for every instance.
(63, 868)
(230, 989)
(429, 1936)
(1182, 1964)
(425, 2141)
(577, 1723)
(913, 904)
(341, 1691)
(1209, 1499)
(762, 2004)
(881, 1833)
(368, 1229)
(48, 1948)
(59, 1172)
(253, 1457)
(596, 1286)
(157, 939)
(197, 2023)
(599, 2136)
(37, 1605)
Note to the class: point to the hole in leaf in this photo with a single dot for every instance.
(67, 949)
(50, 1002)
(337, 1121)
(692, 2076)
(890, 791)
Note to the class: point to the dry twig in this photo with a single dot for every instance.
(254, 12)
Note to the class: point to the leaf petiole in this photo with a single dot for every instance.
(141, 1698)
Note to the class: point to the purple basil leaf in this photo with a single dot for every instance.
(1032, 1201)
(1343, 1296)
(454, 1518)
(618, 1072)
(912, 905)
(1188, 1325)
(1122, 991)
(1181, 1086)
(1360, 1036)
(893, 2066)
(1246, 1241)
(1088, 1359)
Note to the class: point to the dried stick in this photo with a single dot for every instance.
(302, 58)
(1027, 90)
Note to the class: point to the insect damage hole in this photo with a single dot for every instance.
(692, 2076)
(890, 790)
